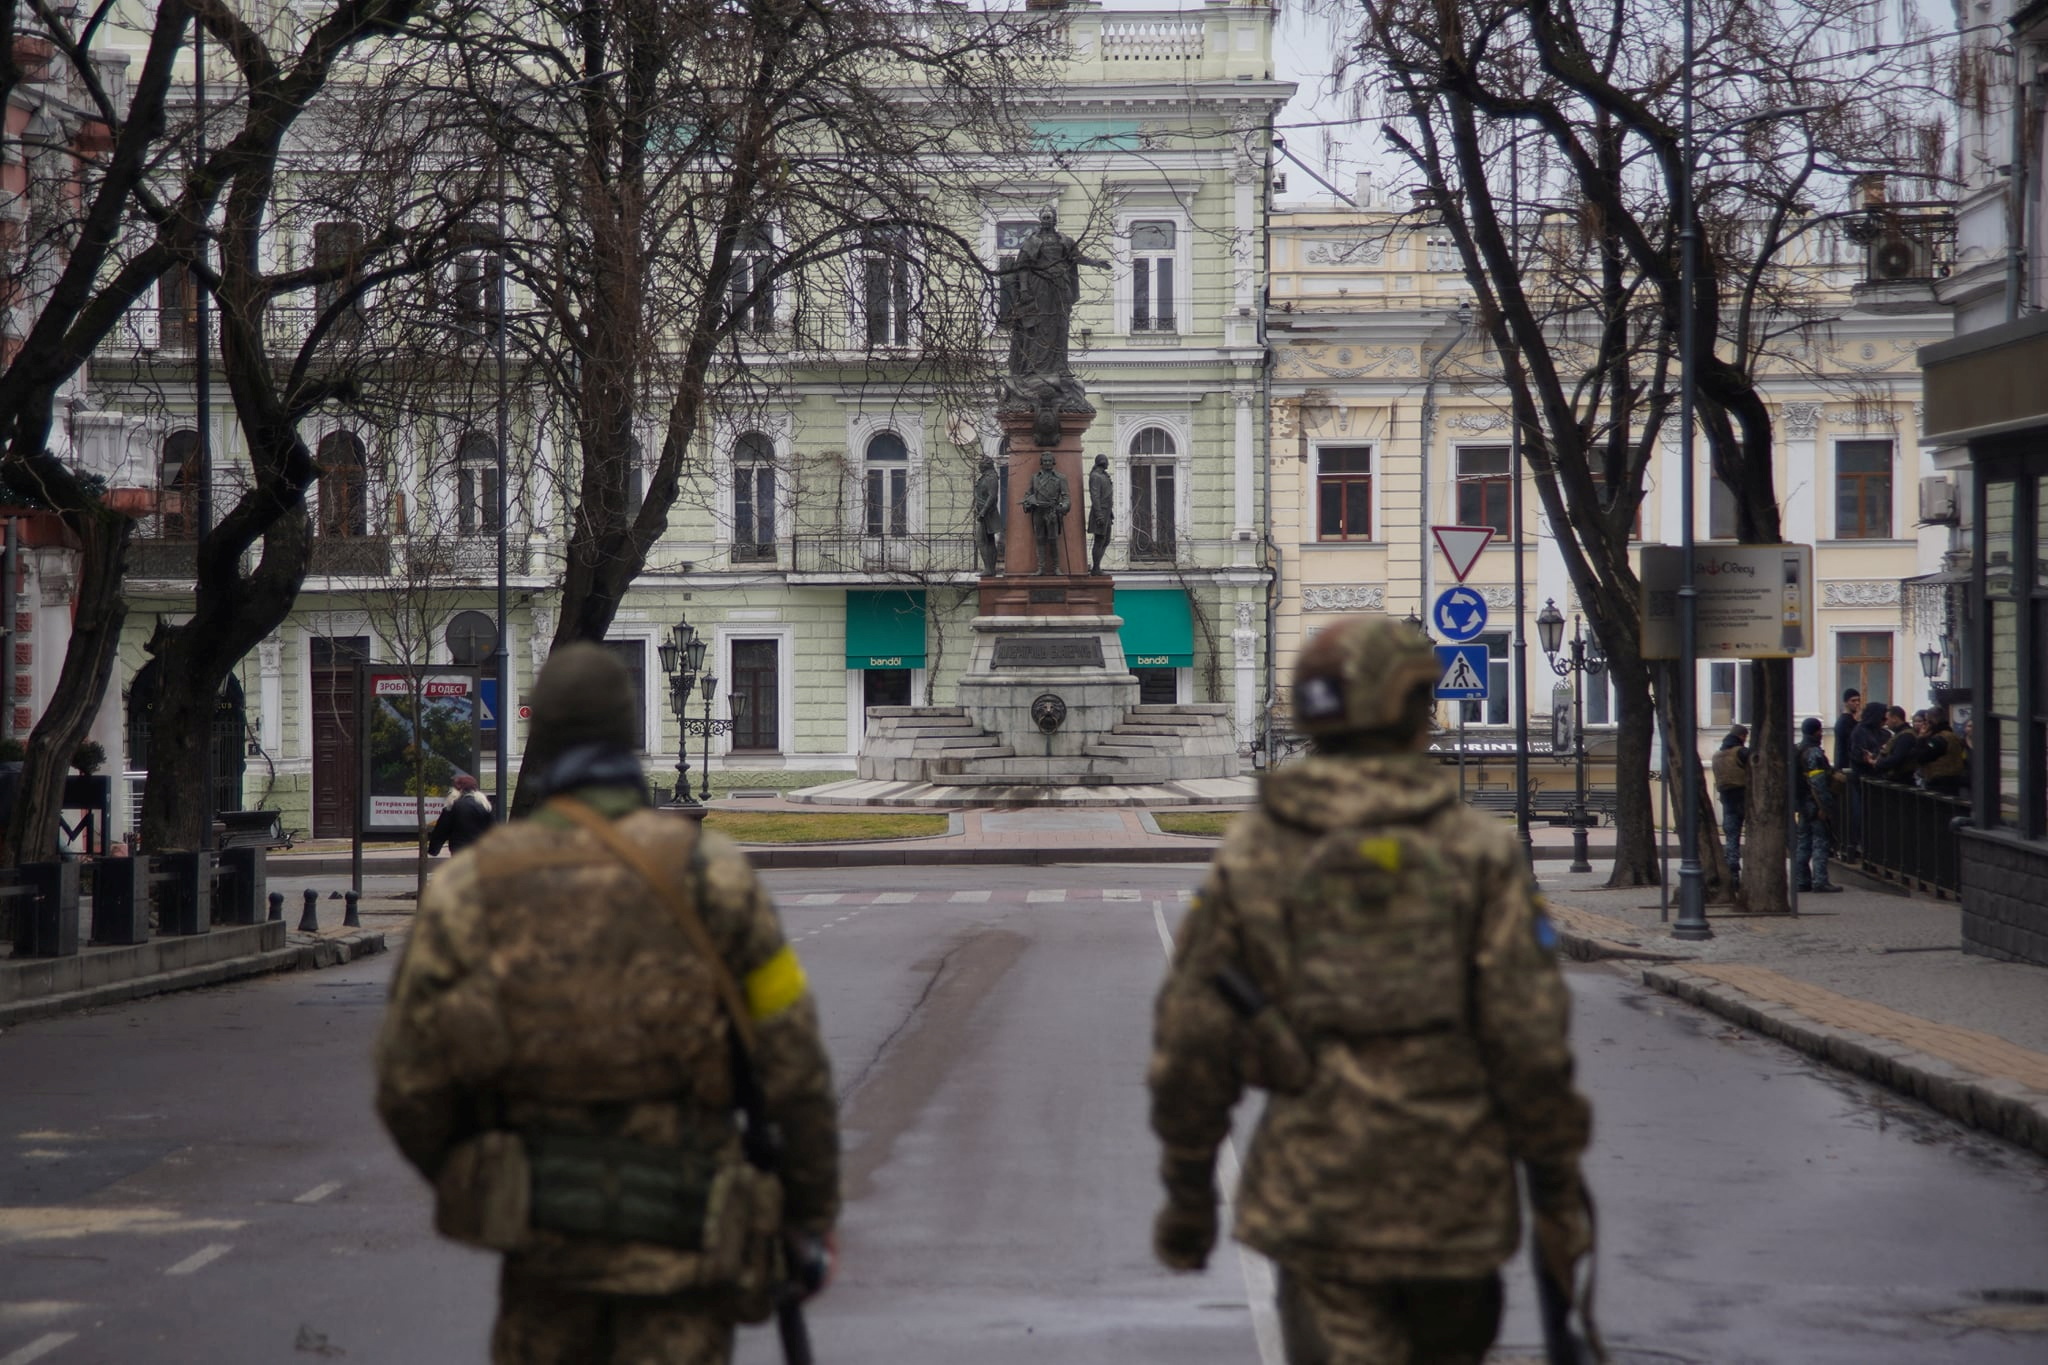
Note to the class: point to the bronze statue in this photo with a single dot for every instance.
(988, 513)
(1048, 503)
(1048, 271)
(1101, 511)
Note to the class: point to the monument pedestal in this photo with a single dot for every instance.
(1047, 701)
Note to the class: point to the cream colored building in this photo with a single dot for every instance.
(1388, 418)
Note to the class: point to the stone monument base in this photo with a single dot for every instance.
(1048, 701)
(1064, 595)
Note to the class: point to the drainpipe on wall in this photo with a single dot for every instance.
(2016, 195)
(1273, 582)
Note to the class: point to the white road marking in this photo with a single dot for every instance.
(318, 1193)
(200, 1259)
(1056, 893)
(969, 897)
(1114, 893)
(1258, 1271)
(38, 1348)
(895, 898)
(819, 898)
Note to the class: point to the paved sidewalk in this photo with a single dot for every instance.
(1868, 980)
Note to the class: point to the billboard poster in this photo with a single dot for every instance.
(1751, 601)
(400, 765)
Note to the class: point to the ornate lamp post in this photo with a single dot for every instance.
(682, 657)
(1930, 664)
(708, 727)
(1550, 629)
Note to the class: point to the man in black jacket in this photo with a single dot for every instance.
(465, 819)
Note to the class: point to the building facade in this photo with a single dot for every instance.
(1389, 418)
(825, 548)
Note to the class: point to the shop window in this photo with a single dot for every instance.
(1344, 493)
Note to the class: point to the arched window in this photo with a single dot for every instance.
(476, 484)
(344, 493)
(753, 496)
(179, 479)
(1154, 469)
(886, 486)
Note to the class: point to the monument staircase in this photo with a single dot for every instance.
(943, 746)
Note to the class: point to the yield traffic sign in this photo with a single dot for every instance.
(1461, 545)
(1459, 614)
(1462, 672)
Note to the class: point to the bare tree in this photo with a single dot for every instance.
(1578, 283)
(705, 198)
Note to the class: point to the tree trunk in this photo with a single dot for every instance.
(98, 612)
(1764, 837)
(1635, 831)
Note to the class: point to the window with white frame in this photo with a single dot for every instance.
(753, 496)
(476, 484)
(885, 486)
(1344, 493)
(1010, 235)
(1731, 693)
(888, 286)
(750, 289)
(337, 249)
(1155, 480)
(1485, 487)
(344, 485)
(1154, 247)
(1493, 709)
(1863, 490)
(479, 286)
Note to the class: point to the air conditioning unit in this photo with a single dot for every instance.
(1900, 255)
(1937, 501)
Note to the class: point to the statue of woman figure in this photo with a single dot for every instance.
(1048, 271)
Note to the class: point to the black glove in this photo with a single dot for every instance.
(1185, 1232)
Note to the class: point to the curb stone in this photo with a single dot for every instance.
(306, 954)
(1999, 1106)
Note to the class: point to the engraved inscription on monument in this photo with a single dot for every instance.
(1055, 651)
(1048, 594)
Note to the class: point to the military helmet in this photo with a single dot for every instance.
(1359, 674)
(583, 696)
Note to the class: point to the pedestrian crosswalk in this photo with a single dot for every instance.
(1021, 895)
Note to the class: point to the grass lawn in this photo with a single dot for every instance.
(788, 827)
(1209, 822)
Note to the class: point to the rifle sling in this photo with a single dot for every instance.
(685, 913)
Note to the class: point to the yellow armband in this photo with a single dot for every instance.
(776, 984)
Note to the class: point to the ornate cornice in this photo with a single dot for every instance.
(1344, 597)
(1860, 592)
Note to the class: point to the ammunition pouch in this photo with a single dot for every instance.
(498, 1189)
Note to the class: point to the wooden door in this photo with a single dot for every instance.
(757, 726)
(334, 733)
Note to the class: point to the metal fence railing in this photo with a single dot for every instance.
(1907, 835)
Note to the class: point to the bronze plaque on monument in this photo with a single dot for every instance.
(1048, 651)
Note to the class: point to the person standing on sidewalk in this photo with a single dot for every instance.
(464, 820)
(1731, 783)
(1816, 811)
(1370, 951)
(1895, 764)
(587, 1000)
(1943, 756)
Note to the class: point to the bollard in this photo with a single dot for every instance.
(277, 905)
(349, 918)
(309, 922)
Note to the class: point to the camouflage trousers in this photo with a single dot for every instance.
(1388, 1322)
(541, 1325)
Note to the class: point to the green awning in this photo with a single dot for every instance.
(1159, 630)
(885, 629)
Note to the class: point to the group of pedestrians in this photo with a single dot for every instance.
(1873, 742)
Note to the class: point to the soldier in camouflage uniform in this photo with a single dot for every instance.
(1370, 951)
(556, 1060)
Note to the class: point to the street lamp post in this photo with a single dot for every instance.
(708, 727)
(1550, 627)
(1930, 664)
(682, 659)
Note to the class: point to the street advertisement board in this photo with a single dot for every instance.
(1753, 601)
(445, 742)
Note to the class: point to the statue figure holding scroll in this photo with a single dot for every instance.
(1048, 503)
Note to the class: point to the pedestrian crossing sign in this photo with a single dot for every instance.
(1462, 672)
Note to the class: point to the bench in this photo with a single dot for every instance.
(1553, 808)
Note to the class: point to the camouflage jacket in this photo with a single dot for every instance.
(544, 987)
(1396, 931)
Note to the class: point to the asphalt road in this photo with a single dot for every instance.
(199, 1177)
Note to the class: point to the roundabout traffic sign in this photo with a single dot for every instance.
(1459, 614)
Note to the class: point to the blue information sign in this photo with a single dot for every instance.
(1459, 614)
(1461, 674)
